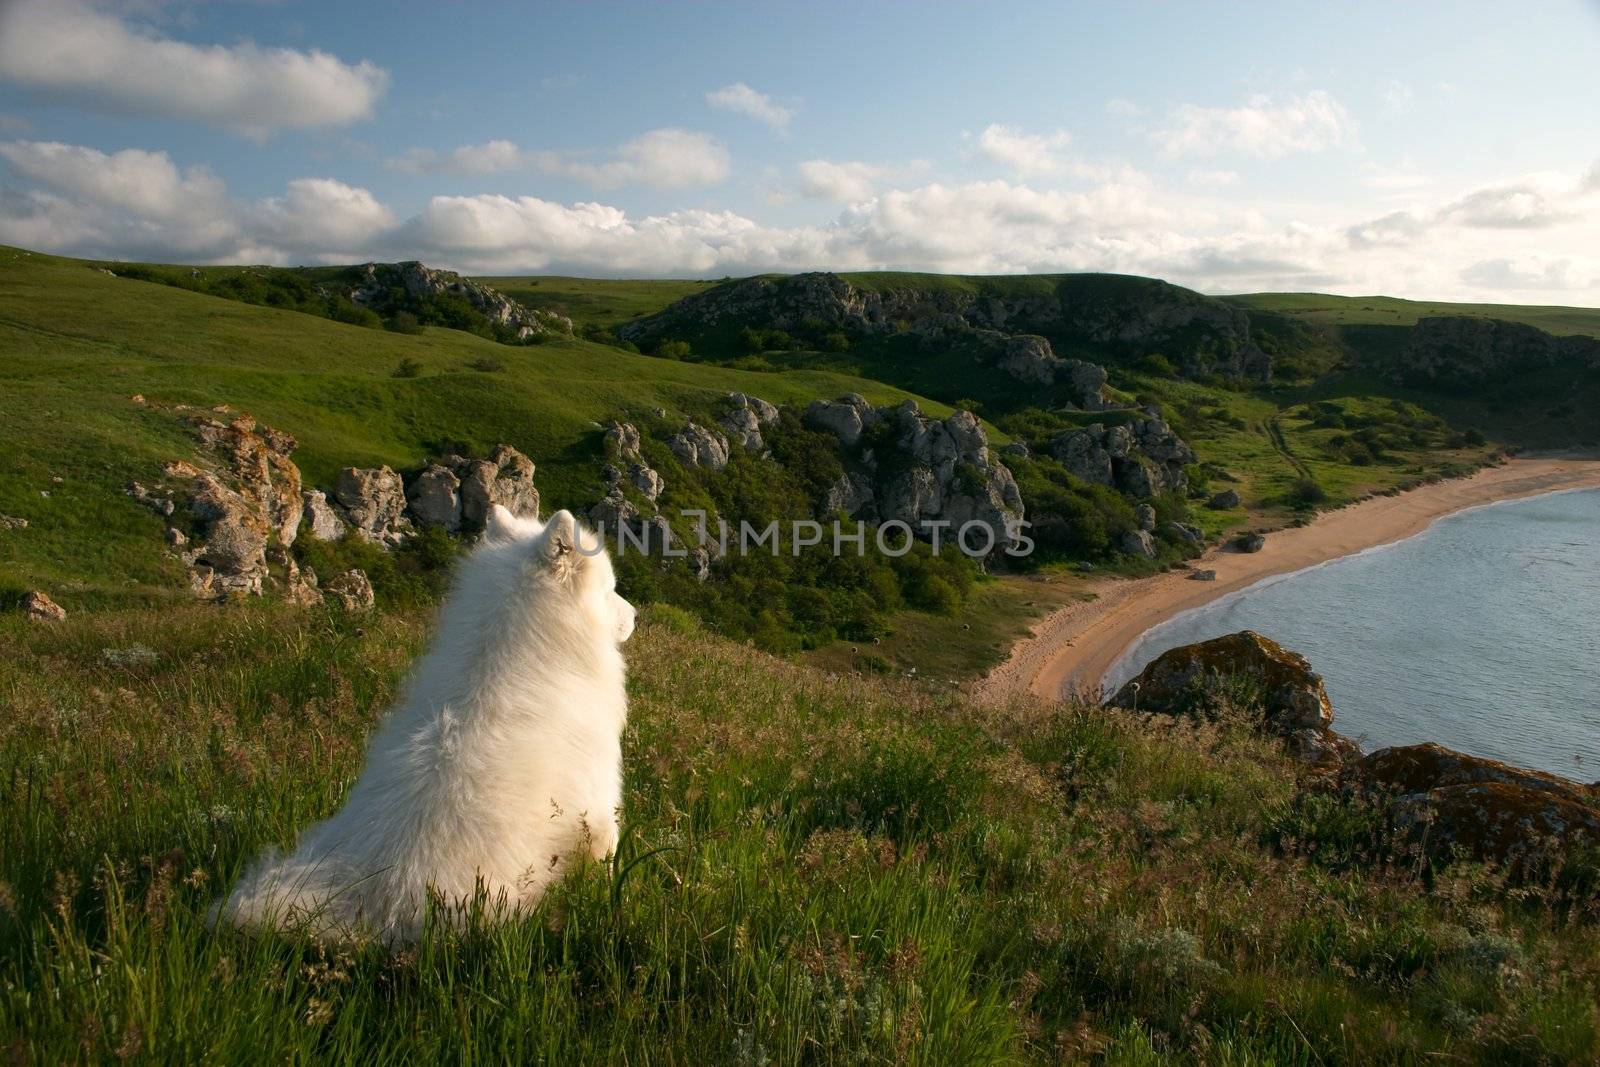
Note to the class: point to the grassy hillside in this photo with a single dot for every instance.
(78, 344)
(1392, 311)
(602, 302)
(818, 869)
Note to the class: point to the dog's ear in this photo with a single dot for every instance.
(501, 526)
(559, 544)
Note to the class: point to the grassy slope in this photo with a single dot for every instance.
(1393, 311)
(78, 344)
(595, 301)
(854, 870)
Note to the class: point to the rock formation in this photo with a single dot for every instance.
(38, 607)
(1128, 315)
(696, 446)
(373, 500)
(1249, 669)
(1459, 352)
(1142, 458)
(418, 280)
(745, 417)
(918, 469)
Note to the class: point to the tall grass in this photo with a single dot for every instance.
(817, 869)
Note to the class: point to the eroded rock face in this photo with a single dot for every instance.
(374, 502)
(845, 418)
(434, 498)
(38, 607)
(1250, 671)
(622, 440)
(323, 522)
(1143, 458)
(1464, 352)
(1139, 543)
(1407, 769)
(418, 280)
(1026, 357)
(505, 478)
(745, 417)
(351, 590)
(699, 447)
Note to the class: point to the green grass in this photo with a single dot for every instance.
(604, 302)
(1393, 311)
(831, 869)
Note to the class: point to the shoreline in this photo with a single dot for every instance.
(1070, 650)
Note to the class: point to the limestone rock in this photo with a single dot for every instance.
(845, 418)
(351, 590)
(325, 523)
(12, 522)
(1199, 679)
(1192, 534)
(699, 447)
(505, 478)
(647, 480)
(1138, 543)
(420, 281)
(1146, 516)
(1228, 498)
(1250, 542)
(434, 498)
(1142, 458)
(374, 502)
(38, 607)
(622, 440)
(1026, 357)
(745, 417)
(851, 494)
(1203, 576)
(1525, 831)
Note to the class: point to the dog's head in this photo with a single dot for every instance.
(568, 561)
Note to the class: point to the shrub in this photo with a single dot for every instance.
(408, 368)
(836, 342)
(671, 349)
(404, 322)
(486, 365)
(1306, 493)
(1156, 363)
(1475, 438)
(933, 593)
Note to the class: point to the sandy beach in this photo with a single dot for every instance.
(1071, 649)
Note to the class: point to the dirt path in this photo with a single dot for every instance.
(1070, 650)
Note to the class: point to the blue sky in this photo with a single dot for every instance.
(1445, 151)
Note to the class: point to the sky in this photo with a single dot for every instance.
(1433, 151)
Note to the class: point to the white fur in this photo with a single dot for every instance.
(501, 761)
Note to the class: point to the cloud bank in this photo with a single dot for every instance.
(62, 49)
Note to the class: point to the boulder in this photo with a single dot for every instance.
(13, 522)
(647, 481)
(1250, 542)
(1224, 500)
(1202, 679)
(1017, 449)
(1203, 576)
(1192, 534)
(324, 523)
(699, 447)
(351, 590)
(1087, 380)
(1138, 543)
(613, 512)
(1406, 769)
(622, 441)
(230, 558)
(1527, 832)
(1146, 516)
(852, 493)
(374, 502)
(434, 498)
(505, 478)
(258, 465)
(745, 417)
(845, 418)
(38, 607)
(1143, 458)
(1026, 357)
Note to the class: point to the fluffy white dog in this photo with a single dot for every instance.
(502, 760)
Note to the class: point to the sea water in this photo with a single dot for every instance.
(1481, 633)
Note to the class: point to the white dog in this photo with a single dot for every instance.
(502, 760)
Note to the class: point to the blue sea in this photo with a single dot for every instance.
(1481, 633)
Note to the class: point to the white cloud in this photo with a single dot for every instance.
(740, 99)
(1024, 153)
(667, 159)
(491, 157)
(1212, 179)
(67, 50)
(138, 204)
(823, 179)
(322, 213)
(1264, 126)
(1397, 97)
(1123, 108)
(146, 183)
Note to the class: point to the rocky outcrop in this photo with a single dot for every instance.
(1462, 352)
(351, 590)
(505, 478)
(622, 440)
(745, 417)
(373, 500)
(1249, 672)
(696, 446)
(1228, 498)
(1030, 358)
(1124, 315)
(1142, 457)
(417, 280)
(919, 469)
(1409, 769)
(1251, 541)
(434, 498)
(323, 522)
(38, 607)
(1138, 543)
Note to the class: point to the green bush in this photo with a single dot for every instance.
(408, 367)
(671, 349)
